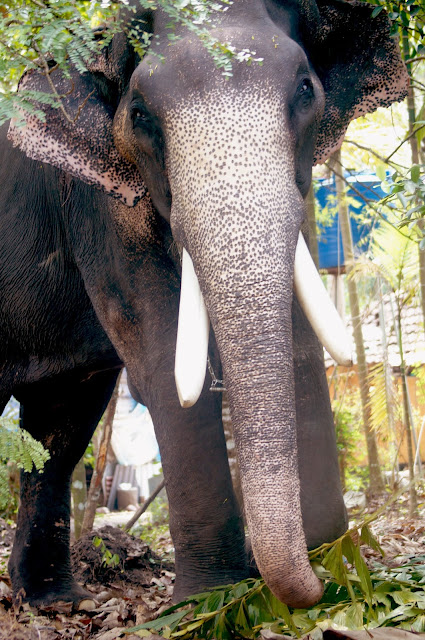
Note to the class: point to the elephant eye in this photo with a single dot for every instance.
(139, 116)
(306, 86)
(306, 93)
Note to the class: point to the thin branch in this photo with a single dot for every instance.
(52, 86)
(406, 139)
(144, 506)
(13, 21)
(40, 4)
(415, 82)
(368, 202)
(369, 189)
(96, 481)
(27, 61)
(82, 105)
(374, 153)
(51, 69)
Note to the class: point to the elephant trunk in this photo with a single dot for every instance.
(249, 298)
(255, 346)
(237, 211)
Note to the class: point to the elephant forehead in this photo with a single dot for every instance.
(229, 136)
(231, 169)
(266, 57)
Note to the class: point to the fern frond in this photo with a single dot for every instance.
(4, 487)
(17, 446)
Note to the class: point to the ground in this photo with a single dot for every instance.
(131, 583)
(137, 584)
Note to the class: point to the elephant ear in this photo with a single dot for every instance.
(358, 63)
(77, 137)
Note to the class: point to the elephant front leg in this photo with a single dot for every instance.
(205, 521)
(62, 414)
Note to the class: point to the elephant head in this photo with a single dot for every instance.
(227, 161)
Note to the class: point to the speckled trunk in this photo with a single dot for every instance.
(246, 200)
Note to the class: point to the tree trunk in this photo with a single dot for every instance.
(411, 112)
(96, 481)
(376, 484)
(79, 496)
(231, 453)
(413, 499)
(388, 380)
(312, 228)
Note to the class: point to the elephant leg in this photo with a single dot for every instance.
(62, 414)
(323, 510)
(205, 521)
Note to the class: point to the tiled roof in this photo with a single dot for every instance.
(373, 335)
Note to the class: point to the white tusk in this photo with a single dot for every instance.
(318, 307)
(192, 337)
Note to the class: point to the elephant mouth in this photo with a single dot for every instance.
(193, 325)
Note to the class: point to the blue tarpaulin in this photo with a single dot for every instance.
(331, 254)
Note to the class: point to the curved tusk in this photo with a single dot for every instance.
(318, 307)
(192, 337)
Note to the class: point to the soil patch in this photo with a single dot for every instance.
(130, 591)
(133, 560)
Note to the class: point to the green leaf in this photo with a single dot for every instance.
(340, 618)
(400, 612)
(419, 624)
(240, 590)
(380, 168)
(241, 619)
(363, 573)
(320, 571)
(403, 597)
(354, 616)
(334, 562)
(221, 631)
(383, 599)
(368, 538)
(189, 627)
(415, 172)
(377, 11)
(347, 546)
(214, 601)
(171, 621)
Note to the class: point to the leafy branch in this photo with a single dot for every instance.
(33, 34)
(353, 598)
(19, 447)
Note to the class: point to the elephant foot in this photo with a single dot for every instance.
(72, 593)
(190, 585)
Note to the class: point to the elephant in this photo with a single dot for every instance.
(161, 163)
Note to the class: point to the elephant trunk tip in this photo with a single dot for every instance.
(297, 592)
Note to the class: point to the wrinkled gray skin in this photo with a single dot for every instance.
(228, 162)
